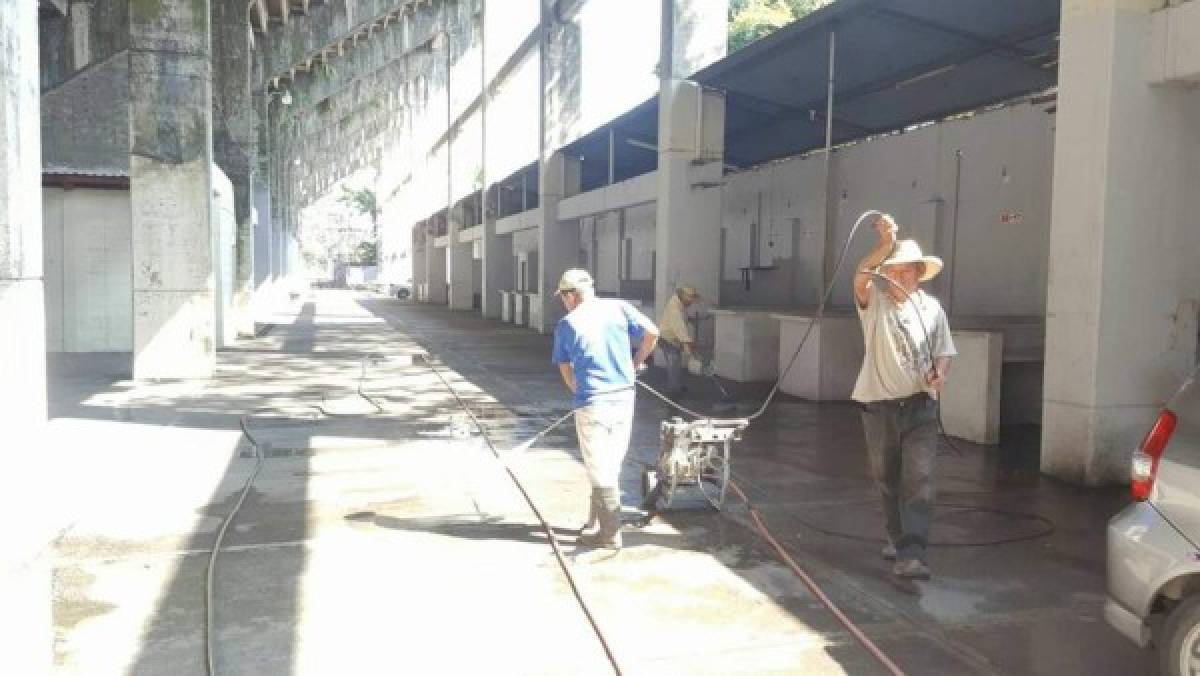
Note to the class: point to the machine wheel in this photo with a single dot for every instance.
(713, 475)
(1179, 650)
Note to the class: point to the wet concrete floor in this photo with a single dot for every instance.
(379, 539)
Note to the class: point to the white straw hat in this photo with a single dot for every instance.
(908, 251)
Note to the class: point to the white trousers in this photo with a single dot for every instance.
(604, 428)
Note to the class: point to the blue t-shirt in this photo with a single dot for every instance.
(595, 339)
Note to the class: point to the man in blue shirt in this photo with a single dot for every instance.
(592, 346)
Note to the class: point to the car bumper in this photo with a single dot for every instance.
(1127, 623)
(1144, 552)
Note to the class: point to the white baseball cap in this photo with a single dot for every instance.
(574, 279)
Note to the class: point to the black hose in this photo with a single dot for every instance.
(209, 611)
(550, 536)
(1045, 529)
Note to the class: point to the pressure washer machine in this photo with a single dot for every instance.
(693, 457)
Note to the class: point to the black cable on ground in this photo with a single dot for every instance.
(209, 619)
(1046, 528)
(550, 536)
(362, 376)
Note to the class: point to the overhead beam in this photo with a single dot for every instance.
(331, 23)
(387, 50)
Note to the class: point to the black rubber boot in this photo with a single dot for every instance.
(609, 535)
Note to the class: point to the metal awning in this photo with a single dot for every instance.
(896, 63)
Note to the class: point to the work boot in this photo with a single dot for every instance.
(888, 552)
(609, 535)
(593, 512)
(911, 569)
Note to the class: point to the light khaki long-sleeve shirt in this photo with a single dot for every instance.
(673, 325)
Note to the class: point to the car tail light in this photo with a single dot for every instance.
(1146, 457)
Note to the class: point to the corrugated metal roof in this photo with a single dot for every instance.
(898, 62)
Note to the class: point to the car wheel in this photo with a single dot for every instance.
(1179, 650)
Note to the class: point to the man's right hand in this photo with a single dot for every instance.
(886, 228)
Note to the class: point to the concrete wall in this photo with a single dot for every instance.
(774, 217)
(1124, 289)
(639, 233)
(525, 250)
(993, 168)
(89, 292)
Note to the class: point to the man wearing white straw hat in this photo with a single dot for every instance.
(908, 348)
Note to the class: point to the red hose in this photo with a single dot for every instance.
(814, 588)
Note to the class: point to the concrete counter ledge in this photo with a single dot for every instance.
(826, 368)
(746, 344)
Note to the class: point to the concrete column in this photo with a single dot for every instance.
(262, 231)
(558, 241)
(691, 149)
(459, 265)
(691, 128)
(24, 566)
(435, 270)
(170, 105)
(1124, 291)
(81, 28)
(235, 147)
(498, 272)
(419, 262)
(497, 249)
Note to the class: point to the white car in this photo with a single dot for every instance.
(1154, 543)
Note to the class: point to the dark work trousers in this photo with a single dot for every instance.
(902, 436)
(675, 366)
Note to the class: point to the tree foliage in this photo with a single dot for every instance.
(367, 253)
(750, 20)
(364, 201)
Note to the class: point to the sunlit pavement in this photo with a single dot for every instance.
(386, 542)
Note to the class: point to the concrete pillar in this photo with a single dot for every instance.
(1124, 291)
(498, 273)
(235, 144)
(419, 262)
(558, 241)
(24, 566)
(435, 270)
(458, 264)
(170, 102)
(691, 128)
(691, 149)
(262, 231)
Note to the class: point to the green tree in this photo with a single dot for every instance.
(364, 201)
(367, 253)
(750, 20)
